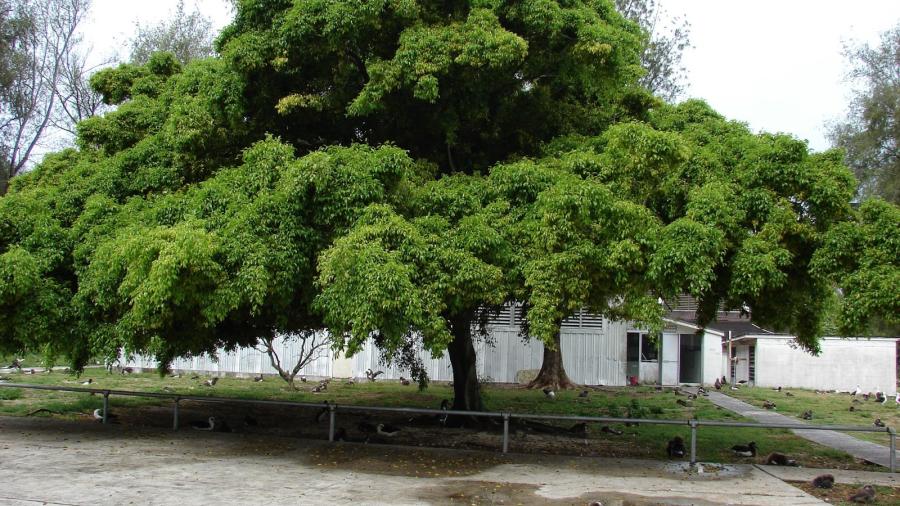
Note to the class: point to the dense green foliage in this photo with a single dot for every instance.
(395, 169)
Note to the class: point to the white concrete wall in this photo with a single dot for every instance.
(649, 372)
(842, 365)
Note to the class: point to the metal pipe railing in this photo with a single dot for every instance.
(694, 423)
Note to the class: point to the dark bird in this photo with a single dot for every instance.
(779, 459)
(384, 429)
(259, 378)
(718, 384)
(788, 394)
(583, 394)
(549, 393)
(724, 381)
(684, 403)
(807, 415)
(748, 450)
(322, 413)
(372, 375)
(702, 391)
(321, 387)
(195, 376)
(675, 448)
(302, 379)
(606, 429)
(866, 396)
(579, 428)
(16, 364)
(88, 382)
(768, 404)
(210, 382)
(857, 391)
(880, 397)
(742, 382)
(866, 494)
(127, 370)
(208, 424)
(852, 408)
(777, 389)
(445, 405)
(404, 381)
(340, 434)
(98, 415)
(878, 423)
(823, 481)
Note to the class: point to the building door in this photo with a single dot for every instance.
(669, 362)
(690, 358)
(742, 364)
(633, 356)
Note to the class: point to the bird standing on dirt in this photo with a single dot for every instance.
(823, 481)
(384, 429)
(209, 424)
(748, 450)
(98, 415)
(675, 448)
(866, 494)
(779, 459)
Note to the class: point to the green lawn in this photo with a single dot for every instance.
(827, 408)
(645, 441)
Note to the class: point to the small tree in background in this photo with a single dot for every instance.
(312, 346)
(187, 35)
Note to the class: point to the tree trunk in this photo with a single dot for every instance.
(466, 390)
(552, 374)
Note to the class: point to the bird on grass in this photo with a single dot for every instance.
(856, 392)
(210, 382)
(865, 494)
(350, 382)
(807, 415)
(779, 459)
(550, 394)
(404, 381)
(788, 394)
(388, 430)
(606, 429)
(718, 384)
(259, 378)
(880, 397)
(777, 389)
(675, 448)
(372, 375)
(684, 403)
(88, 382)
(852, 408)
(16, 364)
(878, 423)
(748, 450)
(583, 394)
(98, 415)
(195, 376)
(768, 404)
(823, 481)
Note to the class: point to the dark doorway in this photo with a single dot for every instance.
(691, 354)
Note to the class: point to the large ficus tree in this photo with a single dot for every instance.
(394, 170)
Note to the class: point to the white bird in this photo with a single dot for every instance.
(857, 391)
(98, 415)
(897, 398)
(210, 382)
(549, 393)
(88, 382)
(387, 430)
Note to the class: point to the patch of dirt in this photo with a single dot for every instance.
(399, 461)
(840, 493)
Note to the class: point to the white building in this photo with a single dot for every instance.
(597, 351)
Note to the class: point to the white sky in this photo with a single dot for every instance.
(776, 65)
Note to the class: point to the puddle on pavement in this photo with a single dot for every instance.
(477, 493)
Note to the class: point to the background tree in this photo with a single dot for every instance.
(312, 345)
(871, 133)
(187, 35)
(44, 40)
(661, 59)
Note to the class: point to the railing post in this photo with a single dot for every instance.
(693, 424)
(505, 432)
(331, 411)
(106, 406)
(893, 434)
(175, 414)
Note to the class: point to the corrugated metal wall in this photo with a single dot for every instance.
(592, 356)
(247, 361)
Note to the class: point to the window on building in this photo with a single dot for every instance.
(649, 352)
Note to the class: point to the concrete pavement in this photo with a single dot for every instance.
(54, 461)
(838, 440)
